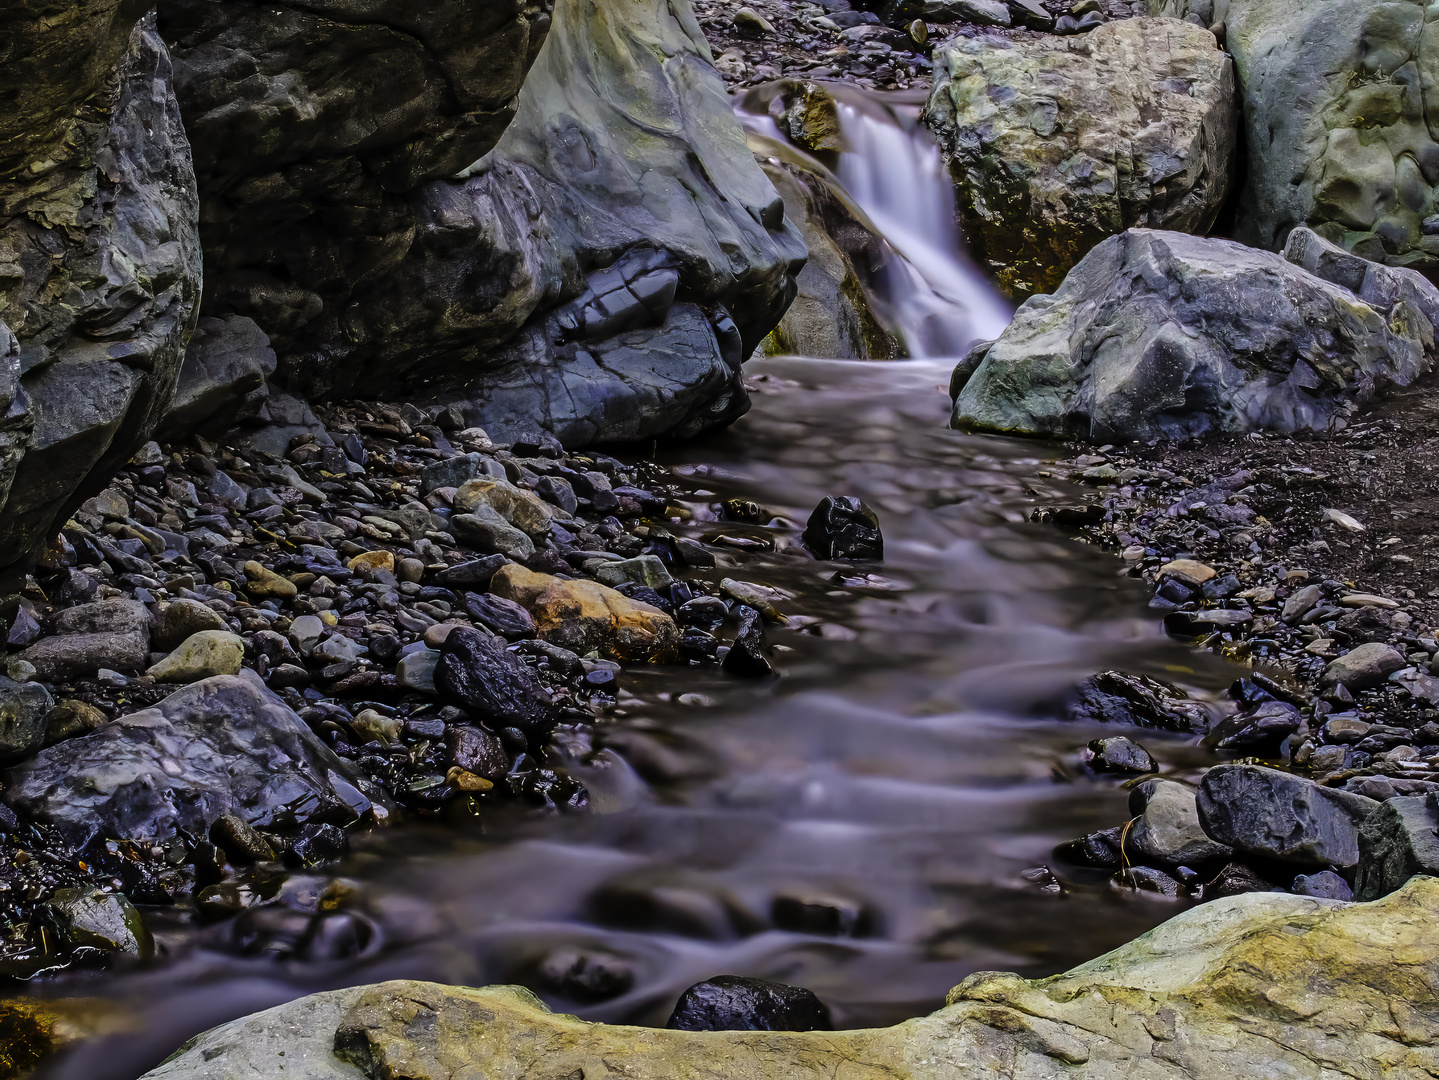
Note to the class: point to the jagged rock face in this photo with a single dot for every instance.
(1308, 987)
(1166, 335)
(99, 257)
(1056, 143)
(1339, 121)
(621, 187)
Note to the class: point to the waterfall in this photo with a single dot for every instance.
(893, 171)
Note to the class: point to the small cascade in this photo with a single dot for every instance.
(892, 170)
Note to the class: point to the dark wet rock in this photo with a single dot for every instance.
(319, 842)
(822, 912)
(1267, 724)
(1103, 849)
(1364, 666)
(24, 718)
(477, 751)
(749, 653)
(112, 634)
(734, 1003)
(90, 918)
(472, 574)
(503, 617)
(1152, 335)
(99, 237)
(583, 975)
(222, 378)
(1147, 879)
(672, 902)
(1168, 831)
(1117, 697)
(1235, 879)
(477, 673)
(241, 843)
(1326, 884)
(1117, 754)
(1277, 815)
(842, 527)
(1396, 842)
(221, 746)
(1038, 177)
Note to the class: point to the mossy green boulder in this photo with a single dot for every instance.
(1264, 984)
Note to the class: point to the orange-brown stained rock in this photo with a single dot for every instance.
(583, 616)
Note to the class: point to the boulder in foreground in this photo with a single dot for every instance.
(1303, 985)
(1162, 335)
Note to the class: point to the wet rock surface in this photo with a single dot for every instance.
(1056, 143)
(1163, 335)
(732, 1003)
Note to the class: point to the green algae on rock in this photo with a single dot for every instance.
(1307, 987)
(1056, 143)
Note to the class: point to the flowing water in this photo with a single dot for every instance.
(858, 826)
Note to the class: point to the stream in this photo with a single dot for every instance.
(860, 825)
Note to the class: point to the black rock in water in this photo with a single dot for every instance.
(1234, 879)
(749, 654)
(1117, 755)
(1117, 697)
(842, 527)
(734, 1003)
(477, 673)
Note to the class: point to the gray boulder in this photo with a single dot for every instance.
(1168, 830)
(222, 377)
(1396, 842)
(1056, 143)
(1364, 666)
(1337, 121)
(1277, 815)
(225, 745)
(99, 257)
(1165, 335)
(24, 718)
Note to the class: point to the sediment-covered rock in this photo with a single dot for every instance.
(1166, 335)
(1306, 986)
(99, 257)
(1056, 143)
(1336, 121)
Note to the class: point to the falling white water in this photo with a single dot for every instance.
(893, 171)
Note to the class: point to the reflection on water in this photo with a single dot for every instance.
(857, 826)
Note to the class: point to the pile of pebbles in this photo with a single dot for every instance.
(1307, 559)
(876, 46)
(447, 616)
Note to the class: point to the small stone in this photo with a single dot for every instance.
(467, 781)
(585, 616)
(842, 527)
(1326, 885)
(416, 670)
(1189, 570)
(1364, 666)
(179, 619)
(646, 570)
(1301, 603)
(523, 509)
(69, 718)
(88, 917)
(749, 654)
(1357, 600)
(1343, 520)
(750, 22)
(487, 530)
(1168, 830)
(200, 656)
(504, 617)
(1148, 880)
(370, 724)
(369, 563)
(267, 584)
(477, 751)
(1267, 724)
(1117, 755)
(474, 574)
(24, 718)
(240, 841)
(1234, 880)
(318, 843)
(410, 570)
(306, 632)
(733, 1003)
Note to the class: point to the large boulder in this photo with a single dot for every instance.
(600, 269)
(1165, 335)
(99, 256)
(1294, 986)
(1056, 143)
(225, 745)
(1338, 116)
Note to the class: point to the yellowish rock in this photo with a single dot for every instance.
(369, 563)
(523, 509)
(585, 616)
(513, 582)
(199, 656)
(1263, 984)
(1189, 569)
(268, 585)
